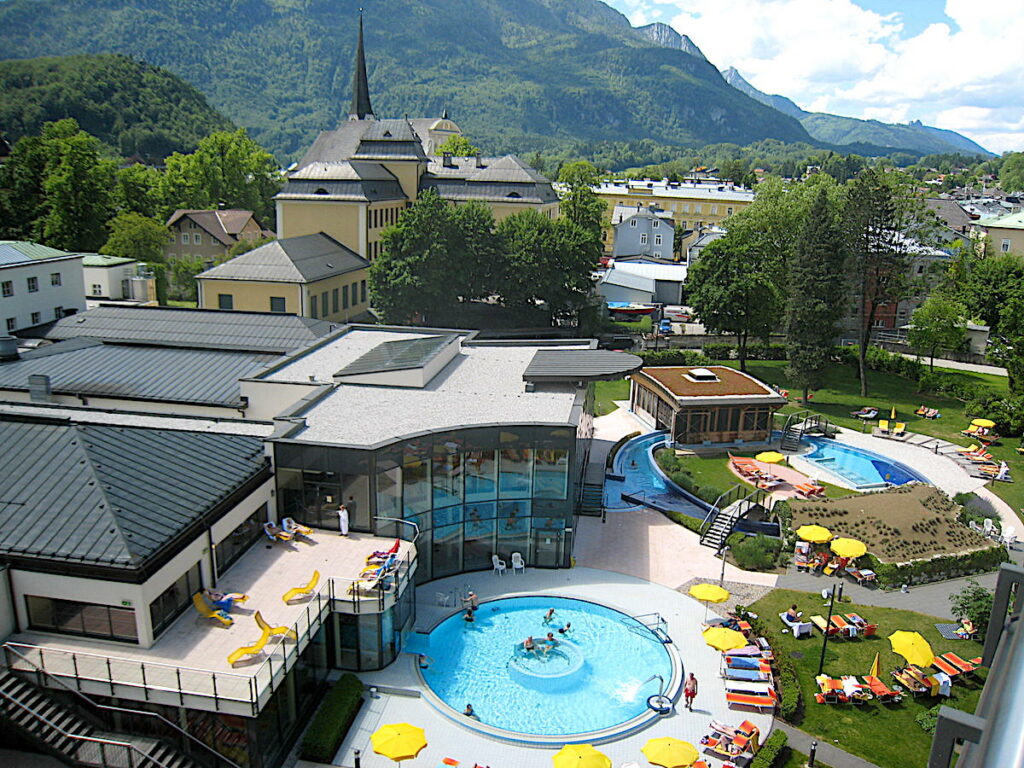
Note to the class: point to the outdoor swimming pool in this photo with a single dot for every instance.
(597, 677)
(635, 463)
(858, 467)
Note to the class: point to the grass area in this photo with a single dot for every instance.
(840, 394)
(714, 470)
(605, 392)
(182, 303)
(796, 759)
(885, 735)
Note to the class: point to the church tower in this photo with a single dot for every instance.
(360, 109)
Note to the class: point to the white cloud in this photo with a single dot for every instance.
(966, 74)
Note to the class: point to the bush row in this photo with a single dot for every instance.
(882, 360)
(754, 553)
(673, 357)
(790, 697)
(937, 568)
(332, 720)
(773, 752)
(722, 351)
(678, 474)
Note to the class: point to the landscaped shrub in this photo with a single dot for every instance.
(756, 553)
(332, 720)
(1007, 411)
(928, 719)
(936, 568)
(772, 752)
(674, 357)
(951, 385)
(974, 603)
(691, 523)
(719, 351)
(790, 697)
(755, 351)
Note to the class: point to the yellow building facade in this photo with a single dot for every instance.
(1005, 234)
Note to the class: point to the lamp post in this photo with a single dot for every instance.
(810, 757)
(828, 625)
(721, 578)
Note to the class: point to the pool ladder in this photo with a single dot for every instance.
(653, 623)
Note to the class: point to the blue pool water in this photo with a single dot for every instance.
(861, 468)
(594, 681)
(634, 461)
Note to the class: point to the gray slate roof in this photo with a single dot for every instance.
(365, 139)
(303, 259)
(89, 367)
(552, 365)
(267, 332)
(111, 496)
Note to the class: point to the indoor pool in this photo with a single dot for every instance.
(858, 467)
(596, 677)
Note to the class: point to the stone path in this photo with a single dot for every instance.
(995, 370)
(827, 753)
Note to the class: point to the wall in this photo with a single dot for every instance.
(121, 404)
(269, 398)
(70, 294)
(996, 235)
(408, 174)
(503, 210)
(621, 293)
(338, 283)
(379, 216)
(7, 618)
(341, 220)
(250, 295)
(628, 237)
(108, 279)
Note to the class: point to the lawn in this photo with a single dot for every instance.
(840, 395)
(606, 392)
(885, 735)
(182, 303)
(714, 471)
(796, 759)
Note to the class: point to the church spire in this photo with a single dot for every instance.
(361, 108)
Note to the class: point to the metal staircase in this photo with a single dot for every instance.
(72, 738)
(592, 500)
(804, 423)
(727, 510)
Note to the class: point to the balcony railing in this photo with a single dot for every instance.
(197, 688)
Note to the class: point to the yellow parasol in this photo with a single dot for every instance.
(848, 547)
(398, 741)
(912, 647)
(893, 414)
(770, 457)
(580, 756)
(876, 667)
(987, 423)
(722, 639)
(815, 534)
(670, 752)
(709, 593)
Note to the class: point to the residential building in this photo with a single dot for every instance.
(116, 278)
(702, 241)
(207, 236)
(617, 285)
(693, 205)
(38, 285)
(669, 279)
(643, 231)
(446, 450)
(355, 180)
(312, 275)
(697, 406)
(1005, 234)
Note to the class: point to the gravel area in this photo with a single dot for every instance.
(739, 594)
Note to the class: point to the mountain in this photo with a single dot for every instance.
(134, 108)
(834, 129)
(529, 73)
(665, 36)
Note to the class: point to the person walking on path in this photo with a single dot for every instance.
(690, 691)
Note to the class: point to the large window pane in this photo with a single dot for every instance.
(236, 543)
(447, 550)
(481, 475)
(515, 471)
(416, 491)
(447, 474)
(513, 529)
(173, 600)
(88, 619)
(550, 473)
(479, 544)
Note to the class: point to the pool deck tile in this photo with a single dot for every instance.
(446, 738)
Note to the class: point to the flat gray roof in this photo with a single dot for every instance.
(580, 365)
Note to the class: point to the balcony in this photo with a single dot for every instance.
(188, 666)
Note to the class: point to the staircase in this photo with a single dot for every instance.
(592, 500)
(722, 523)
(804, 423)
(69, 736)
(654, 623)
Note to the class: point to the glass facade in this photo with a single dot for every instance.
(70, 617)
(175, 599)
(236, 543)
(472, 493)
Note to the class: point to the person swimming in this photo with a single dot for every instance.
(550, 640)
(566, 629)
(549, 615)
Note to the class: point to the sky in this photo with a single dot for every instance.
(956, 64)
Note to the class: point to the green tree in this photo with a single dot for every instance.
(1007, 342)
(883, 218)
(247, 244)
(939, 323)
(137, 189)
(732, 291)
(816, 291)
(227, 170)
(1011, 174)
(580, 203)
(457, 145)
(134, 236)
(973, 603)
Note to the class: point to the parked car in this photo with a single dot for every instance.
(665, 327)
(676, 314)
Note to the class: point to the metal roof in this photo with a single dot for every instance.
(86, 366)
(267, 332)
(111, 496)
(580, 365)
(102, 260)
(25, 252)
(401, 354)
(492, 191)
(341, 189)
(303, 259)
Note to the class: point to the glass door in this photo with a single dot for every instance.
(547, 547)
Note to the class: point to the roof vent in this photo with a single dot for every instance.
(8, 348)
(39, 388)
(702, 374)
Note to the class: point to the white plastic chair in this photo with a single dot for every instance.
(499, 565)
(443, 599)
(517, 562)
(1009, 537)
(989, 526)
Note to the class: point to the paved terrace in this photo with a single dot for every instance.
(191, 656)
(399, 699)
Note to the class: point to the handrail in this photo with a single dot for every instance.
(715, 509)
(126, 710)
(126, 745)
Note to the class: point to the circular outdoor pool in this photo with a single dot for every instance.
(596, 676)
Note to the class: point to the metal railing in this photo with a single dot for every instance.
(96, 673)
(107, 708)
(129, 755)
(720, 504)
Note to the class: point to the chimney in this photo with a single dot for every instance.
(446, 160)
(479, 162)
(8, 349)
(39, 389)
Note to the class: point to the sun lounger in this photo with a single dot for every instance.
(274, 533)
(899, 430)
(976, 661)
(922, 411)
(846, 628)
(980, 458)
(971, 431)
(765, 701)
(295, 528)
(209, 613)
(809, 490)
(881, 691)
(758, 687)
(883, 426)
(962, 666)
(862, 576)
(819, 622)
(769, 483)
(306, 590)
(972, 448)
(916, 687)
(933, 413)
(745, 662)
(752, 651)
(797, 627)
(867, 412)
(750, 675)
(944, 666)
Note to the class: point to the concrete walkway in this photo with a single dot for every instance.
(827, 753)
(995, 370)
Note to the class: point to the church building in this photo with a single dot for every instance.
(355, 180)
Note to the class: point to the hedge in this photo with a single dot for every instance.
(937, 568)
(755, 351)
(332, 720)
(790, 698)
(673, 357)
(772, 752)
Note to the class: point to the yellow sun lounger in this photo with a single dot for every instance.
(297, 592)
(266, 631)
(209, 613)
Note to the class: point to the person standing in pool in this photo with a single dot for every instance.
(549, 615)
(566, 629)
(469, 618)
(468, 711)
(690, 691)
(529, 646)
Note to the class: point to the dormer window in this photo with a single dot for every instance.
(387, 134)
(513, 194)
(632, 222)
(320, 191)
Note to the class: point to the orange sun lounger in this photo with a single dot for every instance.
(759, 701)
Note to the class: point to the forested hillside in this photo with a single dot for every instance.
(133, 107)
(543, 72)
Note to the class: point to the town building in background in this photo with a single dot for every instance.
(643, 231)
(38, 285)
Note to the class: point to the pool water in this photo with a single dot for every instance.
(860, 468)
(594, 680)
(635, 463)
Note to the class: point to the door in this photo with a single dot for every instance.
(547, 547)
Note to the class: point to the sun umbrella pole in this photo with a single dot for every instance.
(828, 624)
